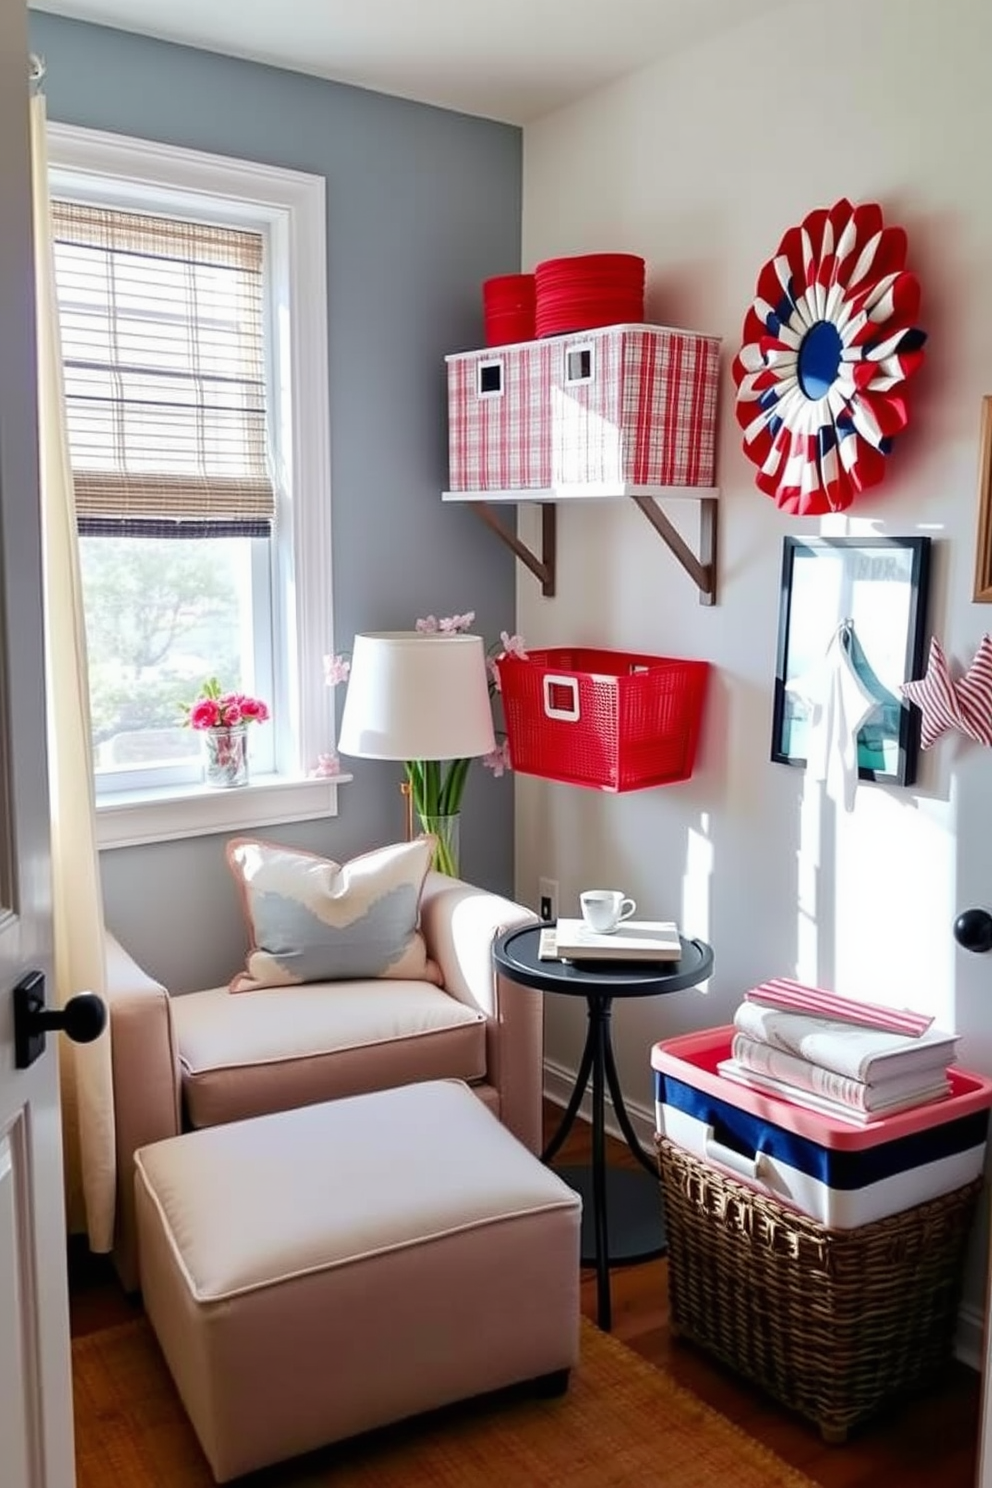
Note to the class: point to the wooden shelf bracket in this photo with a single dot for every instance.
(542, 568)
(701, 569)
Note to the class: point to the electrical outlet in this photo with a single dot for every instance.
(547, 889)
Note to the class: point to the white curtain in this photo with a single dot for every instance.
(77, 905)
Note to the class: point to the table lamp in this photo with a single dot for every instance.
(416, 695)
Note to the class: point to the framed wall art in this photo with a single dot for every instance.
(983, 544)
(868, 596)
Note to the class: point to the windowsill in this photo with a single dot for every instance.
(127, 818)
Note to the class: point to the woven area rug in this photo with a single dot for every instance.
(622, 1424)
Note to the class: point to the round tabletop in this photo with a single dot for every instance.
(515, 955)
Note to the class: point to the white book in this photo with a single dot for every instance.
(859, 1053)
(765, 1085)
(632, 940)
(762, 1059)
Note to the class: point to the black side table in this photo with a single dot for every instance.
(621, 1209)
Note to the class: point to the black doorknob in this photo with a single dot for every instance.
(83, 1019)
(973, 930)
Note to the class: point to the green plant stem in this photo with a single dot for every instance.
(443, 860)
(454, 787)
(436, 790)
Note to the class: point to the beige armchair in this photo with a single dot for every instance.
(209, 1057)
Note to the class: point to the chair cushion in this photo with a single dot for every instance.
(291, 1046)
(313, 920)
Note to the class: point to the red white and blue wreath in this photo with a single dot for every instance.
(827, 345)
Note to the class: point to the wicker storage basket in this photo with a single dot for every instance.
(833, 1323)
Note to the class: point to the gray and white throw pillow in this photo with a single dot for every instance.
(313, 920)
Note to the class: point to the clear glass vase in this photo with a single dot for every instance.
(225, 755)
(446, 830)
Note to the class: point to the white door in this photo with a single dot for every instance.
(36, 1447)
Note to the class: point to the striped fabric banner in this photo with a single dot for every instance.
(790, 996)
(944, 704)
(974, 692)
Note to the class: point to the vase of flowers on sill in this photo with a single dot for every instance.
(223, 719)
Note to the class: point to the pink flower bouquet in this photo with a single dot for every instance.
(212, 708)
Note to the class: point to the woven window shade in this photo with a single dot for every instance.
(162, 346)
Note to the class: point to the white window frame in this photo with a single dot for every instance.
(112, 170)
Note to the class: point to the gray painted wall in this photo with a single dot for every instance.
(422, 205)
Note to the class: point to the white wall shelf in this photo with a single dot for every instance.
(700, 567)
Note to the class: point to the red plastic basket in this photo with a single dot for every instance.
(607, 719)
(508, 308)
(588, 290)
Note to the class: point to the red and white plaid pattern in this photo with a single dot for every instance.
(586, 430)
(793, 997)
(501, 443)
(945, 704)
(648, 417)
(669, 401)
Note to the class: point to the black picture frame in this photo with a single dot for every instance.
(872, 593)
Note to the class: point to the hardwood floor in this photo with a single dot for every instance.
(929, 1442)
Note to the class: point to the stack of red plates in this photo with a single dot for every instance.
(590, 289)
(508, 308)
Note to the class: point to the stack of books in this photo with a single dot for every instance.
(632, 940)
(837, 1055)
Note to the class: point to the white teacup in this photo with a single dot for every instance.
(603, 909)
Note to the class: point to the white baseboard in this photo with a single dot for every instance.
(559, 1081)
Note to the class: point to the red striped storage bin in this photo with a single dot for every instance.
(611, 720)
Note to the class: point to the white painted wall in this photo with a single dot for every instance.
(700, 164)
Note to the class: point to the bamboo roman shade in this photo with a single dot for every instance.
(164, 360)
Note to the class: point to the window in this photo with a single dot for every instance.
(197, 412)
(578, 364)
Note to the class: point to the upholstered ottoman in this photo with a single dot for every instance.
(318, 1272)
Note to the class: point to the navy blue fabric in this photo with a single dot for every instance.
(749, 1135)
(163, 527)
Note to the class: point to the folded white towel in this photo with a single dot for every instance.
(762, 1059)
(859, 1053)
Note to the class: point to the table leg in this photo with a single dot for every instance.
(620, 1111)
(575, 1099)
(633, 1200)
(599, 1023)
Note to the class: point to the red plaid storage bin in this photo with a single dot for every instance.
(620, 405)
(625, 405)
(607, 719)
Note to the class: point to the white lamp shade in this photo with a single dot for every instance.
(417, 696)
